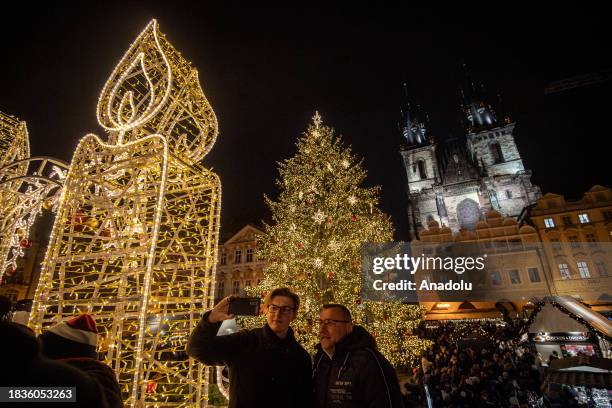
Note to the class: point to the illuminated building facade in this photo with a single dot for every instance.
(577, 238)
(238, 267)
(457, 181)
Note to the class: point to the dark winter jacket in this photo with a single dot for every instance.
(103, 375)
(264, 370)
(357, 375)
(84, 358)
(24, 366)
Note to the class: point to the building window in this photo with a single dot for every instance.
(549, 223)
(236, 288)
(564, 271)
(249, 255)
(422, 172)
(508, 194)
(584, 269)
(514, 276)
(555, 244)
(534, 274)
(584, 218)
(223, 258)
(607, 215)
(574, 242)
(591, 240)
(601, 268)
(238, 256)
(567, 220)
(495, 278)
(220, 289)
(496, 153)
(247, 284)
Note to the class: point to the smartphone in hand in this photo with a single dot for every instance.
(244, 306)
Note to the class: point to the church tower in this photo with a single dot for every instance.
(489, 134)
(418, 150)
(492, 146)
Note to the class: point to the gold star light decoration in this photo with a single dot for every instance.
(135, 238)
(27, 186)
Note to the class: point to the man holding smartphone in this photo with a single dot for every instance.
(267, 366)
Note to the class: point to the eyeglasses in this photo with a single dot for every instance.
(281, 309)
(332, 322)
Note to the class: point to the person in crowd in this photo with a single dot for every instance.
(267, 366)
(74, 342)
(24, 366)
(5, 309)
(349, 371)
(483, 373)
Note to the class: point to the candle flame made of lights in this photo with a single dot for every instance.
(136, 232)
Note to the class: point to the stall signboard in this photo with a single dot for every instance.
(567, 337)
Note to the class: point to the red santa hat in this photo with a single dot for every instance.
(77, 337)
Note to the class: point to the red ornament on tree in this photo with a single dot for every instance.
(300, 245)
(358, 301)
(330, 275)
(354, 218)
(317, 296)
(329, 220)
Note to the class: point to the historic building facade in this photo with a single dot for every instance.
(457, 181)
(514, 275)
(576, 236)
(238, 266)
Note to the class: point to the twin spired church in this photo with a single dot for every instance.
(456, 182)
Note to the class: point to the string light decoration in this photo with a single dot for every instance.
(27, 186)
(320, 221)
(135, 238)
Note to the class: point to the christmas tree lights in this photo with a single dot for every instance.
(320, 221)
(135, 238)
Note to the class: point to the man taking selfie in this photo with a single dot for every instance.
(267, 367)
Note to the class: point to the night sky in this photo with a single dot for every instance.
(265, 72)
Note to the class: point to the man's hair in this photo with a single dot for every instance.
(346, 314)
(283, 292)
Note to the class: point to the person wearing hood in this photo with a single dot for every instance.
(349, 371)
(24, 366)
(74, 342)
(267, 366)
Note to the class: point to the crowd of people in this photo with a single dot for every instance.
(480, 364)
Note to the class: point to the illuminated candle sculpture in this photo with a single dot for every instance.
(135, 238)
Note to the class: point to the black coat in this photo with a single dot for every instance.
(265, 371)
(24, 366)
(357, 375)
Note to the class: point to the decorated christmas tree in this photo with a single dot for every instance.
(320, 221)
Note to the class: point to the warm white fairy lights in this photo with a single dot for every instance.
(136, 234)
(27, 185)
